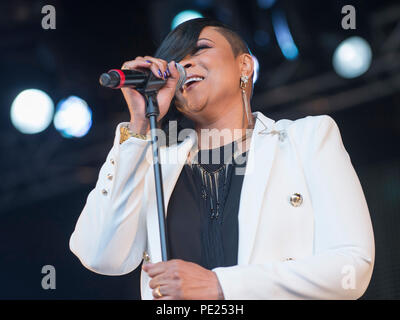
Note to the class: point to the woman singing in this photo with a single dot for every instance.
(256, 208)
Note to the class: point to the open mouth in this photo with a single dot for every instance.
(190, 82)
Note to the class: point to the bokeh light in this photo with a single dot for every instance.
(283, 35)
(352, 57)
(73, 117)
(32, 111)
(185, 16)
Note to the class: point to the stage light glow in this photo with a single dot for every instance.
(185, 16)
(73, 117)
(352, 57)
(31, 111)
(283, 35)
(266, 4)
(256, 69)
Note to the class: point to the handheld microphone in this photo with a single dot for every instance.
(116, 78)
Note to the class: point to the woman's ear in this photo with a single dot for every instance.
(246, 65)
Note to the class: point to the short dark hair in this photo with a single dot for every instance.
(182, 41)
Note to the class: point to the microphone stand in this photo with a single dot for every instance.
(152, 112)
(148, 89)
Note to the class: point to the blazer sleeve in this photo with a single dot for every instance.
(110, 234)
(344, 250)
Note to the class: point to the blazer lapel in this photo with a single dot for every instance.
(259, 162)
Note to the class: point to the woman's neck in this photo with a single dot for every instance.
(230, 126)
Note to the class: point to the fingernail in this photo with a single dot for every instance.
(148, 61)
(165, 75)
(159, 72)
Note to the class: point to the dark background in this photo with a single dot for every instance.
(46, 178)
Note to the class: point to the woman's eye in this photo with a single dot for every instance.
(198, 48)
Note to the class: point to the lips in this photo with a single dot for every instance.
(190, 81)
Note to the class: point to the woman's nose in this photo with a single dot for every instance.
(186, 62)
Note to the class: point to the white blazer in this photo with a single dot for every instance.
(321, 249)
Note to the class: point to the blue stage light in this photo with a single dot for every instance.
(352, 57)
(283, 36)
(185, 16)
(32, 111)
(73, 117)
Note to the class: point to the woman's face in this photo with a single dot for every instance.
(215, 63)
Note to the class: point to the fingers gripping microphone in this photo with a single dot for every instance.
(116, 78)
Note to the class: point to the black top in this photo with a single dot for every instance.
(202, 216)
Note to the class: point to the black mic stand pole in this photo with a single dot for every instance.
(152, 112)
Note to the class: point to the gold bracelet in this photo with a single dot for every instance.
(125, 134)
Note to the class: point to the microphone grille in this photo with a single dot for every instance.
(182, 76)
(105, 79)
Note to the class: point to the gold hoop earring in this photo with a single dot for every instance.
(243, 84)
